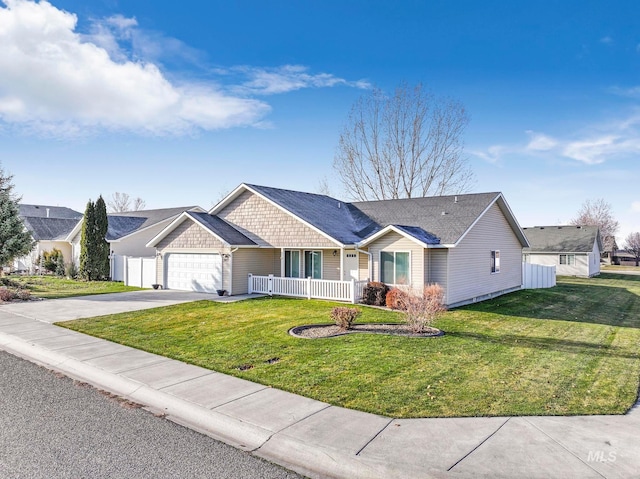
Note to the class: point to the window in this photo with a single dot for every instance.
(313, 264)
(394, 267)
(495, 261)
(292, 264)
(568, 259)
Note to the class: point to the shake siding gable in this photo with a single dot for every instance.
(189, 235)
(393, 241)
(470, 274)
(268, 225)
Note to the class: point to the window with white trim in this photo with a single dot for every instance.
(568, 259)
(313, 264)
(495, 261)
(395, 267)
(292, 264)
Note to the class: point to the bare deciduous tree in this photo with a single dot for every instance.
(122, 202)
(401, 146)
(632, 244)
(599, 213)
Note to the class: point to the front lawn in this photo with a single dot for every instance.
(55, 287)
(573, 349)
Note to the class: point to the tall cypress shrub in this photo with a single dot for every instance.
(102, 247)
(87, 244)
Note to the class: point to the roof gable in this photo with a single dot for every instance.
(49, 228)
(564, 238)
(213, 225)
(44, 211)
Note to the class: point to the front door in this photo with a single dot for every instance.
(350, 265)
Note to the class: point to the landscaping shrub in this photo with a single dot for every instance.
(396, 298)
(421, 310)
(10, 283)
(71, 270)
(375, 293)
(23, 294)
(51, 260)
(7, 294)
(344, 317)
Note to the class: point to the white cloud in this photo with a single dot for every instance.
(57, 81)
(540, 142)
(597, 144)
(607, 40)
(268, 81)
(635, 206)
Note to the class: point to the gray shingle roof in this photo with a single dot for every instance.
(49, 228)
(221, 228)
(419, 234)
(557, 239)
(337, 219)
(445, 218)
(40, 211)
(124, 224)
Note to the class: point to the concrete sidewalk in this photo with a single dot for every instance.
(320, 440)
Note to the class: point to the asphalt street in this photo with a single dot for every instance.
(54, 427)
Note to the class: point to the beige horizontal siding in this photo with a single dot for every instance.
(393, 241)
(470, 261)
(435, 267)
(331, 265)
(261, 262)
(363, 266)
(268, 225)
(581, 268)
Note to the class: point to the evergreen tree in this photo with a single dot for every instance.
(15, 240)
(87, 243)
(102, 247)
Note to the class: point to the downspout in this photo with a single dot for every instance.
(370, 263)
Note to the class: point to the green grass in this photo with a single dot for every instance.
(54, 287)
(614, 267)
(573, 349)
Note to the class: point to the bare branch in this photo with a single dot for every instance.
(401, 146)
(122, 202)
(599, 213)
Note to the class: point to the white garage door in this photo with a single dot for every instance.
(194, 272)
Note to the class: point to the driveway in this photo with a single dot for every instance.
(53, 310)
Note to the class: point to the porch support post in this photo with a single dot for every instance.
(342, 264)
(282, 263)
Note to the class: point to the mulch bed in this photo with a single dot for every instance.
(316, 331)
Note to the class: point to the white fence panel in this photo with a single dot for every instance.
(307, 288)
(536, 276)
(118, 268)
(140, 272)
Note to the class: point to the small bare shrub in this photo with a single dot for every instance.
(344, 317)
(23, 294)
(396, 298)
(7, 294)
(421, 310)
(375, 293)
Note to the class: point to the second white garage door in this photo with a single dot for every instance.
(194, 272)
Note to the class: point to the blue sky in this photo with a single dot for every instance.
(178, 103)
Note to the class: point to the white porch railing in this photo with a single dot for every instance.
(307, 288)
(535, 276)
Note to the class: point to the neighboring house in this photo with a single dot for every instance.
(574, 250)
(470, 244)
(49, 226)
(128, 234)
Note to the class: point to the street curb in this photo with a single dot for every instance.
(277, 447)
